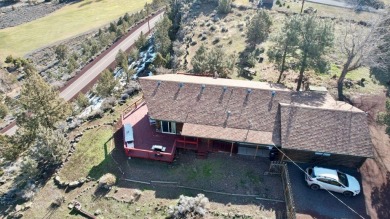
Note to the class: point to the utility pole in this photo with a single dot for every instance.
(303, 2)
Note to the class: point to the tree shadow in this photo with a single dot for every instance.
(85, 3)
(382, 76)
(380, 198)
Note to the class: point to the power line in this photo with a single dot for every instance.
(345, 204)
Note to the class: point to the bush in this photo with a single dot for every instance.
(57, 202)
(107, 181)
(3, 110)
(224, 6)
(108, 104)
(82, 101)
(96, 115)
(190, 207)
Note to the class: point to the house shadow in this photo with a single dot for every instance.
(314, 99)
(174, 193)
(380, 199)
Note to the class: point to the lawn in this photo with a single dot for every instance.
(92, 156)
(68, 21)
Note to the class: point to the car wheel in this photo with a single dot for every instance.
(315, 187)
(348, 193)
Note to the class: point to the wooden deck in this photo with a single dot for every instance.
(145, 136)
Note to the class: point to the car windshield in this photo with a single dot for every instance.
(343, 178)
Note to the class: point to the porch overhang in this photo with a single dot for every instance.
(227, 134)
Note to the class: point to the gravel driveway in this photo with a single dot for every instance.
(320, 204)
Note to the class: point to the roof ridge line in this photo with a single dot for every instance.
(321, 108)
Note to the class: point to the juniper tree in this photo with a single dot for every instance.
(200, 60)
(224, 6)
(106, 84)
(259, 27)
(61, 52)
(161, 36)
(141, 41)
(40, 105)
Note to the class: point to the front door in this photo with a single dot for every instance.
(168, 127)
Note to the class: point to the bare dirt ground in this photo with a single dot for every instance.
(375, 172)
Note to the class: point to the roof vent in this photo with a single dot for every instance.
(181, 85)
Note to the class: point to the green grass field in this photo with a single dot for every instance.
(68, 21)
(91, 156)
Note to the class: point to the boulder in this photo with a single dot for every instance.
(74, 184)
(27, 205)
(98, 212)
(19, 207)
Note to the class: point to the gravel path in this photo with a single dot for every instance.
(11, 18)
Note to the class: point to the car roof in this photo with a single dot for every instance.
(325, 173)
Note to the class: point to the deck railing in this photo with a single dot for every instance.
(132, 106)
(167, 156)
(192, 145)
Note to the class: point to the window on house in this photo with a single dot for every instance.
(168, 127)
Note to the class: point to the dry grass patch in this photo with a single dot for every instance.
(67, 22)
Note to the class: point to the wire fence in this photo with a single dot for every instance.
(177, 185)
(278, 167)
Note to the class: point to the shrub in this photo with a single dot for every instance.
(190, 207)
(108, 104)
(57, 202)
(107, 181)
(82, 101)
(3, 110)
(224, 6)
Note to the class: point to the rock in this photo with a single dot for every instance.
(27, 205)
(70, 206)
(310, 10)
(57, 179)
(74, 184)
(98, 212)
(19, 207)
(137, 210)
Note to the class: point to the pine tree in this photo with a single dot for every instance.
(315, 37)
(284, 44)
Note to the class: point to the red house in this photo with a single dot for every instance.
(245, 117)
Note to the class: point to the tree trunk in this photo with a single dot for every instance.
(340, 82)
(283, 63)
(303, 67)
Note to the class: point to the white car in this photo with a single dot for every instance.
(332, 180)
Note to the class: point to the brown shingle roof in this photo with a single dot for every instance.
(325, 130)
(229, 134)
(256, 110)
(224, 109)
